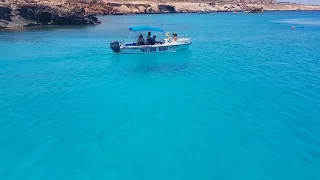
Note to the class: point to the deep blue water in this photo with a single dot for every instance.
(243, 103)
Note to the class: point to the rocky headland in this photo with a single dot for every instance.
(18, 14)
(26, 13)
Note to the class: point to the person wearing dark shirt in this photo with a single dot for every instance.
(140, 40)
(154, 39)
(149, 39)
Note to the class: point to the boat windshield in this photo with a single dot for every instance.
(145, 35)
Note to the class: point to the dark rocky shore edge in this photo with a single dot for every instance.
(20, 14)
(28, 15)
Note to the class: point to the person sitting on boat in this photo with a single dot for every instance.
(149, 39)
(141, 41)
(149, 35)
(153, 40)
(175, 36)
(168, 36)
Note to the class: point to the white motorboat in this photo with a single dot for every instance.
(202, 11)
(166, 45)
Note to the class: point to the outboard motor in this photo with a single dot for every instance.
(115, 46)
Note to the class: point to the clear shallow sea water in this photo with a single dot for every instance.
(242, 104)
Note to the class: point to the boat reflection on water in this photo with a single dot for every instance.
(167, 63)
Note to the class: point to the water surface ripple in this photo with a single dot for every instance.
(242, 103)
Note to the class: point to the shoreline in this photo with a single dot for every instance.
(132, 14)
(208, 12)
(22, 14)
(212, 12)
(146, 7)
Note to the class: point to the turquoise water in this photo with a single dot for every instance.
(242, 103)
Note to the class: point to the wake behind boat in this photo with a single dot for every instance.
(169, 44)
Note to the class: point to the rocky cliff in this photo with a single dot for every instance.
(106, 7)
(182, 6)
(25, 13)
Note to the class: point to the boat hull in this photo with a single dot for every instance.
(153, 49)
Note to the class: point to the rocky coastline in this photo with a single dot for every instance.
(27, 13)
(188, 6)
